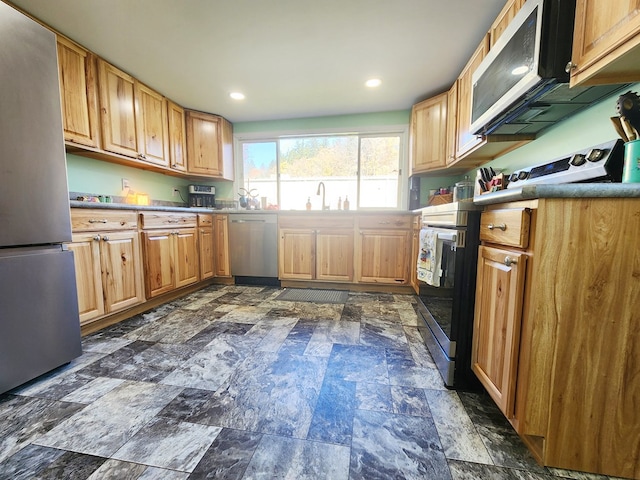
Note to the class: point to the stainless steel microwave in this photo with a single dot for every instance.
(526, 62)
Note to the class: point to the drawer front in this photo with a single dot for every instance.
(167, 219)
(385, 221)
(506, 227)
(205, 220)
(91, 220)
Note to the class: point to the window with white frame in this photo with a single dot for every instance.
(364, 169)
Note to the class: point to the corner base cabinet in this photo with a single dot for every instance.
(557, 328)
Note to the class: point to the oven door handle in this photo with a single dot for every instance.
(449, 236)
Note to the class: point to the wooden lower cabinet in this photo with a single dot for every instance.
(383, 256)
(297, 254)
(316, 254)
(171, 259)
(317, 248)
(206, 241)
(556, 337)
(108, 272)
(334, 255)
(222, 262)
(498, 316)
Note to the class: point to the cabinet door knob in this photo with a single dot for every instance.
(500, 226)
(570, 66)
(105, 239)
(97, 238)
(508, 261)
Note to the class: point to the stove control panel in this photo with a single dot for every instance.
(601, 163)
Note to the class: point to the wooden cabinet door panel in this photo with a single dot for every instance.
(452, 115)
(221, 252)
(78, 83)
(86, 254)
(467, 141)
(384, 256)
(504, 18)
(498, 315)
(604, 33)
(186, 259)
(177, 137)
(120, 255)
(118, 110)
(152, 126)
(429, 133)
(334, 256)
(203, 155)
(296, 258)
(207, 268)
(158, 259)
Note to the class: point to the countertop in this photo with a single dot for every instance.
(564, 190)
(164, 208)
(128, 206)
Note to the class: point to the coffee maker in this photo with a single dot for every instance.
(202, 196)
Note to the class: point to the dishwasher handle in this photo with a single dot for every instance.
(248, 221)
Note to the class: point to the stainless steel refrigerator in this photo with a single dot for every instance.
(39, 325)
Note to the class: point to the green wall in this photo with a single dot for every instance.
(399, 117)
(91, 176)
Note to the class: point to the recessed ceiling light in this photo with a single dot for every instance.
(237, 95)
(373, 82)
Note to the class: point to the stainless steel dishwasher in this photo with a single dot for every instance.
(253, 244)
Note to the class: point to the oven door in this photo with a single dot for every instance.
(439, 272)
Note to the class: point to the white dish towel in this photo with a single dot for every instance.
(429, 257)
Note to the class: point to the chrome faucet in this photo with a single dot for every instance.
(321, 184)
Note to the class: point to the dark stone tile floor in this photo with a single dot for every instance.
(231, 383)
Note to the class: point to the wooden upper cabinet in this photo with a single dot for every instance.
(504, 18)
(78, 85)
(467, 141)
(153, 127)
(606, 42)
(209, 145)
(428, 134)
(452, 116)
(134, 117)
(117, 110)
(177, 137)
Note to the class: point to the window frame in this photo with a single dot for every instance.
(402, 131)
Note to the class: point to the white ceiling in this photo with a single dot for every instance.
(291, 58)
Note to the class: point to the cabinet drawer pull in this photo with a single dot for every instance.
(500, 226)
(508, 261)
(384, 223)
(92, 220)
(172, 221)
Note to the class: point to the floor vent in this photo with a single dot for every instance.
(312, 295)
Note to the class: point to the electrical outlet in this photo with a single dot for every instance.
(125, 184)
(175, 192)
